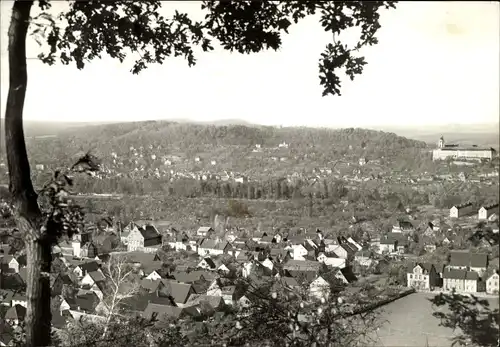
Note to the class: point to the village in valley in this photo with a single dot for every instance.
(192, 273)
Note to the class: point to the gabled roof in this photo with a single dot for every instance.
(460, 274)
(348, 274)
(89, 266)
(16, 312)
(97, 276)
(207, 243)
(427, 267)
(209, 262)
(179, 291)
(150, 285)
(156, 311)
(140, 258)
(466, 258)
(204, 229)
(213, 301)
(149, 232)
(267, 238)
(6, 259)
(466, 204)
(87, 302)
(292, 264)
(490, 206)
(139, 303)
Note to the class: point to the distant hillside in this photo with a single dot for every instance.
(188, 135)
(160, 148)
(47, 128)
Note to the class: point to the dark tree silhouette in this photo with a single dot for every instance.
(475, 318)
(90, 28)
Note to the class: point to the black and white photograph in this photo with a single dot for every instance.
(295, 173)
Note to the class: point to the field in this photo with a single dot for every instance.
(409, 322)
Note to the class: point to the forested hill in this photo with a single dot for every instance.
(233, 147)
(186, 135)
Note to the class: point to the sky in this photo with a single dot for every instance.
(436, 63)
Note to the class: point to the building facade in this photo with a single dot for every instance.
(453, 151)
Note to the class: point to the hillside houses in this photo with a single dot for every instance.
(196, 274)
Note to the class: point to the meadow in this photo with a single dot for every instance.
(409, 322)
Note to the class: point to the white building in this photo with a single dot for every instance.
(487, 211)
(453, 151)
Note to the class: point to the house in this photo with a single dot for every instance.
(228, 294)
(160, 312)
(212, 247)
(319, 288)
(302, 269)
(92, 278)
(216, 303)
(225, 268)
(344, 250)
(461, 280)
(64, 248)
(204, 231)
(60, 282)
(423, 276)
(181, 242)
(393, 242)
(492, 283)
(345, 275)
(87, 250)
(280, 255)
(331, 261)
(82, 269)
(15, 315)
(9, 264)
(257, 236)
(429, 248)
(355, 243)
(207, 264)
(268, 263)
(146, 239)
(277, 238)
(153, 276)
(461, 210)
(299, 252)
(403, 227)
(125, 232)
(179, 292)
(364, 258)
(268, 239)
(466, 260)
(485, 212)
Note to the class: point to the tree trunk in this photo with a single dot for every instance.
(26, 210)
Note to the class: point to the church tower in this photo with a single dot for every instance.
(441, 142)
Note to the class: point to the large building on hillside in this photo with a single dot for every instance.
(445, 151)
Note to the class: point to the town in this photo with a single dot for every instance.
(179, 273)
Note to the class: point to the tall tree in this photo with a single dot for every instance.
(90, 28)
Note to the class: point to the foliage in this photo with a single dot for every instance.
(119, 27)
(291, 319)
(476, 320)
(237, 209)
